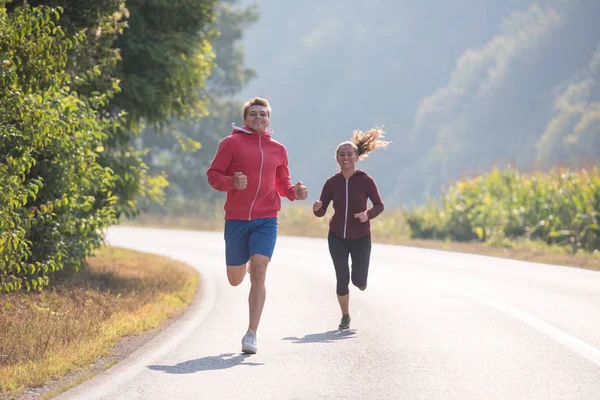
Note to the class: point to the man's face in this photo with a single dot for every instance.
(257, 118)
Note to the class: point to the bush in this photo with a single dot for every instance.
(558, 207)
(50, 139)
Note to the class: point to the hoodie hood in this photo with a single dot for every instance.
(355, 174)
(236, 129)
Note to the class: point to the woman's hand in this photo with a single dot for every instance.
(317, 205)
(362, 216)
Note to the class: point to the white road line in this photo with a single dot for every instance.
(108, 382)
(578, 345)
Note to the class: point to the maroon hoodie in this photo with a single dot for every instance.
(349, 197)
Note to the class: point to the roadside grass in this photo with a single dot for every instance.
(389, 228)
(79, 318)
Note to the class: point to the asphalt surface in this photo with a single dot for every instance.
(431, 325)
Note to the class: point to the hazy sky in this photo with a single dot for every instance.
(459, 85)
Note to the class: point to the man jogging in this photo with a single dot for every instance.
(253, 169)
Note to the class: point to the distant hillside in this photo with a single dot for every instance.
(459, 87)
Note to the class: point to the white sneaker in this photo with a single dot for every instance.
(249, 342)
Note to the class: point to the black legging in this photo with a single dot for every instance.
(360, 252)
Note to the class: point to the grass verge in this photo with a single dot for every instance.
(80, 318)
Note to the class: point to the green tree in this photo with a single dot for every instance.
(66, 155)
(177, 152)
(159, 54)
(50, 139)
(166, 58)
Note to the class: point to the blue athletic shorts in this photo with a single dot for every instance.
(243, 239)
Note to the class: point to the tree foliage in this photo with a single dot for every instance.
(68, 164)
(167, 57)
(177, 152)
(50, 138)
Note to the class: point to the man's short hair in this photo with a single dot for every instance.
(257, 101)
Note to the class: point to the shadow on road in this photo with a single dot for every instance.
(326, 337)
(222, 361)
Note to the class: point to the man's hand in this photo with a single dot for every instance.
(240, 181)
(300, 192)
(317, 205)
(362, 216)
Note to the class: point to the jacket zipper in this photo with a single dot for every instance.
(262, 159)
(346, 218)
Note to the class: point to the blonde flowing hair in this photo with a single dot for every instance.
(365, 142)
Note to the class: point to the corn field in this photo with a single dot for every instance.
(558, 207)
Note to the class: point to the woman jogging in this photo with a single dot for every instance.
(349, 227)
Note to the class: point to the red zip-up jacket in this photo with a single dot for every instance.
(349, 197)
(264, 161)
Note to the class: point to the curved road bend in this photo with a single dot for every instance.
(431, 325)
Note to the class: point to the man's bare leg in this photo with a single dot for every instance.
(236, 274)
(258, 291)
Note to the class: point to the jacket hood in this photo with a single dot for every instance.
(236, 129)
(356, 173)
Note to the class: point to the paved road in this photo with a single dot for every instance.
(431, 325)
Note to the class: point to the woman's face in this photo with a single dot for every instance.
(347, 157)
